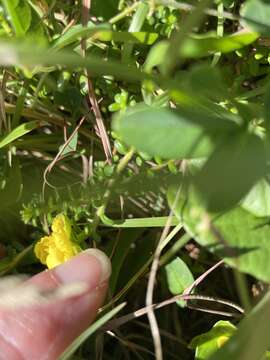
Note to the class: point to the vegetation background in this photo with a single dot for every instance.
(147, 124)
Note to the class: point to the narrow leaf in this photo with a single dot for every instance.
(18, 132)
(87, 333)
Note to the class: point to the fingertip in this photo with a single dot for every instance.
(91, 267)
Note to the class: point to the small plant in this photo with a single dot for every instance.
(142, 128)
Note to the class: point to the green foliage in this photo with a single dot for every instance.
(207, 344)
(256, 14)
(160, 99)
(246, 343)
(234, 167)
(179, 277)
(162, 128)
(236, 235)
(257, 200)
(18, 132)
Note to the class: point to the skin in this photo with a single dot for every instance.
(42, 331)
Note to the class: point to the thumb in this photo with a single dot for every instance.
(64, 302)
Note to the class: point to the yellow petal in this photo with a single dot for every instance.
(42, 248)
(55, 258)
(57, 248)
(61, 225)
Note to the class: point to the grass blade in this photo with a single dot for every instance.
(88, 332)
(18, 132)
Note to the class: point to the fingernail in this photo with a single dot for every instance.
(91, 266)
(104, 262)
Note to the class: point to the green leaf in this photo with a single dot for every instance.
(251, 340)
(207, 81)
(124, 242)
(139, 17)
(196, 47)
(18, 132)
(236, 235)
(103, 33)
(155, 55)
(162, 132)
(231, 171)
(26, 55)
(76, 32)
(256, 14)
(36, 33)
(208, 343)
(199, 47)
(20, 15)
(257, 200)
(138, 37)
(266, 106)
(179, 277)
(158, 221)
(88, 332)
(11, 191)
(107, 10)
(72, 145)
(136, 24)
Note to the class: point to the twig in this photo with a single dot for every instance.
(91, 92)
(3, 119)
(202, 277)
(150, 286)
(145, 310)
(124, 13)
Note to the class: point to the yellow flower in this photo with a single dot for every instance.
(58, 247)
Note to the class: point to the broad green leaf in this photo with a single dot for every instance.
(36, 33)
(231, 171)
(20, 15)
(208, 343)
(251, 340)
(179, 277)
(162, 132)
(236, 235)
(257, 200)
(196, 47)
(155, 55)
(201, 110)
(18, 132)
(207, 81)
(200, 47)
(256, 14)
(88, 332)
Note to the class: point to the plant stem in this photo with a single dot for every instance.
(124, 13)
